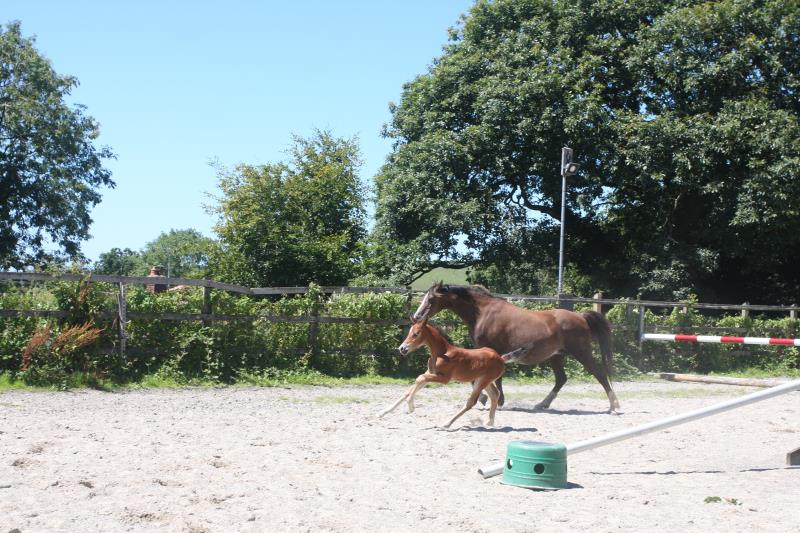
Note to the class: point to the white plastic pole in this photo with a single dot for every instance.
(664, 423)
(561, 237)
(589, 444)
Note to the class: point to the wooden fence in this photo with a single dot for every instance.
(122, 316)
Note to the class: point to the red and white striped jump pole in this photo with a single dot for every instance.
(720, 339)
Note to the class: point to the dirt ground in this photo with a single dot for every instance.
(319, 459)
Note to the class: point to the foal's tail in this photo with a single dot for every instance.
(515, 355)
(601, 331)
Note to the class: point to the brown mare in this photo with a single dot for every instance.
(481, 366)
(496, 323)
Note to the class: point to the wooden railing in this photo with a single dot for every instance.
(122, 316)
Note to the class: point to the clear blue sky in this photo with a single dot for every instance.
(176, 84)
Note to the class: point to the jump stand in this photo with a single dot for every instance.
(793, 458)
(533, 464)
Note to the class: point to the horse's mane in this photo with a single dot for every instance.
(469, 291)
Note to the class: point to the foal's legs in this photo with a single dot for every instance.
(584, 355)
(477, 387)
(494, 394)
(499, 386)
(421, 381)
(557, 363)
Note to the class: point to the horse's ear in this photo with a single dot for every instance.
(413, 320)
(440, 288)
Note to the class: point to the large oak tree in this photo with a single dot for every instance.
(684, 116)
(50, 169)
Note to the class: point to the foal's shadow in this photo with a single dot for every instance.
(485, 429)
(549, 411)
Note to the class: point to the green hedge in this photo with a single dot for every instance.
(228, 351)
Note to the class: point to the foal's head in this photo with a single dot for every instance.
(423, 333)
(416, 337)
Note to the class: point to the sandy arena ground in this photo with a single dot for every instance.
(318, 459)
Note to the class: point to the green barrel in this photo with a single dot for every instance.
(535, 465)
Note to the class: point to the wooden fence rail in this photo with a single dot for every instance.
(122, 315)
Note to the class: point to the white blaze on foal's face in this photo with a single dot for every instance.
(414, 338)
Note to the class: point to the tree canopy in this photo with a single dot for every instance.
(684, 116)
(183, 253)
(119, 262)
(295, 222)
(50, 169)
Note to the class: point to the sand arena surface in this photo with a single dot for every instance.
(318, 459)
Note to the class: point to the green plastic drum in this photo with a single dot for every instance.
(535, 465)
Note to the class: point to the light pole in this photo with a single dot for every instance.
(568, 168)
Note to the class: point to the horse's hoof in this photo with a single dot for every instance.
(482, 398)
(541, 407)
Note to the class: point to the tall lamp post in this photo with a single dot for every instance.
(568, 168)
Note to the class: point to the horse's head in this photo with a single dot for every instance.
(434, 301)
(416, 336)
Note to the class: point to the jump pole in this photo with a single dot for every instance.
(671, 337)
(495, 469)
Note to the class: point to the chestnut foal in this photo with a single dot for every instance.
(481, 366)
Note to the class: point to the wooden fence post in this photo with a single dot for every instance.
(407, 303)
(122, 319)
(597, 306)
(405, 362)
(313, 331)
(206, 304)
(793, 312)
(745, 310)
(640, 334)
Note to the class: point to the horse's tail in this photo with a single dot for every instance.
(601, 331)
(515, 355)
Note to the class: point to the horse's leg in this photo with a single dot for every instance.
(477, 387)
(494, 394)
(501, 396)
(557, 363)
(584, 355)
(409, 394)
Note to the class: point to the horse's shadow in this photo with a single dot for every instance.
(549, 411)
(678, 472)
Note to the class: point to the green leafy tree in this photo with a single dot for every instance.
(295, 222)
(182, 252)
(683, 115)
(118, 262)
(50, 170)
